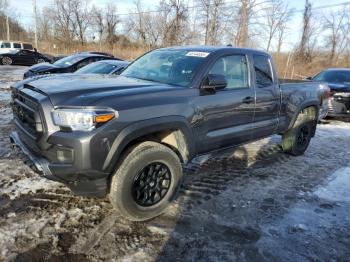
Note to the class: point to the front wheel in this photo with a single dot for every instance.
(6, 60)
(146, 181)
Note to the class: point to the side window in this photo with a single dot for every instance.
(235, 70)
(27, 46)
(17, 45)
(84, 63)
(5, 45)
(263, 71)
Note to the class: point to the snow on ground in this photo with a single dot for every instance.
(335, 127)
(251, 203)
(9, 74)
(338, 186)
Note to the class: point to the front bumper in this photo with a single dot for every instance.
(339, 105)
(87, 183)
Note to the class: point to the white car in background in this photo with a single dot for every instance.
(8, 46)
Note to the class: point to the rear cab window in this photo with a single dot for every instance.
(263, 71)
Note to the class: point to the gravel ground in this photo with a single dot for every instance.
(251, 203)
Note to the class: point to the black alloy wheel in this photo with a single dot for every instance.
(151, 184)
(303, 136)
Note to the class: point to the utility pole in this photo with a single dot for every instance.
(8, 28)
(36, 24)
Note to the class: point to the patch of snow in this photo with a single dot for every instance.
(29, 228)
(28, 185)
(338, 187)
(10, 74)
(335, 129)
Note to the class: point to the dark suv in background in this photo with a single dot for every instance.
(67, 64)
(338, 80)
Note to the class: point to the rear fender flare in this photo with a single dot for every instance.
(314, 103)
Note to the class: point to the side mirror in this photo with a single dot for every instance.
(214, 82)
(308, 78)
(35, 50)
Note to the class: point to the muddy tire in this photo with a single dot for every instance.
(146, 181)
(6, 60)
(296, 140)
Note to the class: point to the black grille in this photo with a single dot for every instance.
(26, 114)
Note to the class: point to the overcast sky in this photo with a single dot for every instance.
(25, 11)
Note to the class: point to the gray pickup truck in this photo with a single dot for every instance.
(128, 135)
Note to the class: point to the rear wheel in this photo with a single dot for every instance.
(146, 181)
(6, 60)
(297, 139)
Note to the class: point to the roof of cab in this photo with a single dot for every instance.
(338, 69)
(210, 49)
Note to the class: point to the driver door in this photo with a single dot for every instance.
(226, 116)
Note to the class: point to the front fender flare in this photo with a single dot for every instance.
(146, 127)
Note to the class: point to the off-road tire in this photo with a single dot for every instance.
(133, 161)
(306, 124)
(5, 60)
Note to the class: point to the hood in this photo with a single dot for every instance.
(20, 84)
(339, 87)
(83, 90)
(45, 67)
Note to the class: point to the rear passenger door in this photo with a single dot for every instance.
(267, 105)
(225, 117)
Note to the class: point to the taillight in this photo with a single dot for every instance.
(327, 92)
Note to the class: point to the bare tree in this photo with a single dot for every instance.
(174, 21)
(98, 23)
(211, 13)
(62, 18)
(246, 11)
(276, 16)
(281, 30)
(243, 22)
(303, 51)
(112, 21)
(81, 17)
(335, 22)
(44, 25)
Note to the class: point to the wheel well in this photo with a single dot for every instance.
(309, 114)
(174, 139)
(310, 111)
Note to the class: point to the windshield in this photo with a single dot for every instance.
(333, 76)
(97, 68)
(166, 66)
(68, 61)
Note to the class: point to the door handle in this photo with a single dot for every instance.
(248, 100)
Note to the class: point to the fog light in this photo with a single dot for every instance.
(65, 155)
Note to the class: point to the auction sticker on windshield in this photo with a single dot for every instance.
(197, 54)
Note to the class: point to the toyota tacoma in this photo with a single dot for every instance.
(127, 136)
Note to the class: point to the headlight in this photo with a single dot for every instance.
(81, 119)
